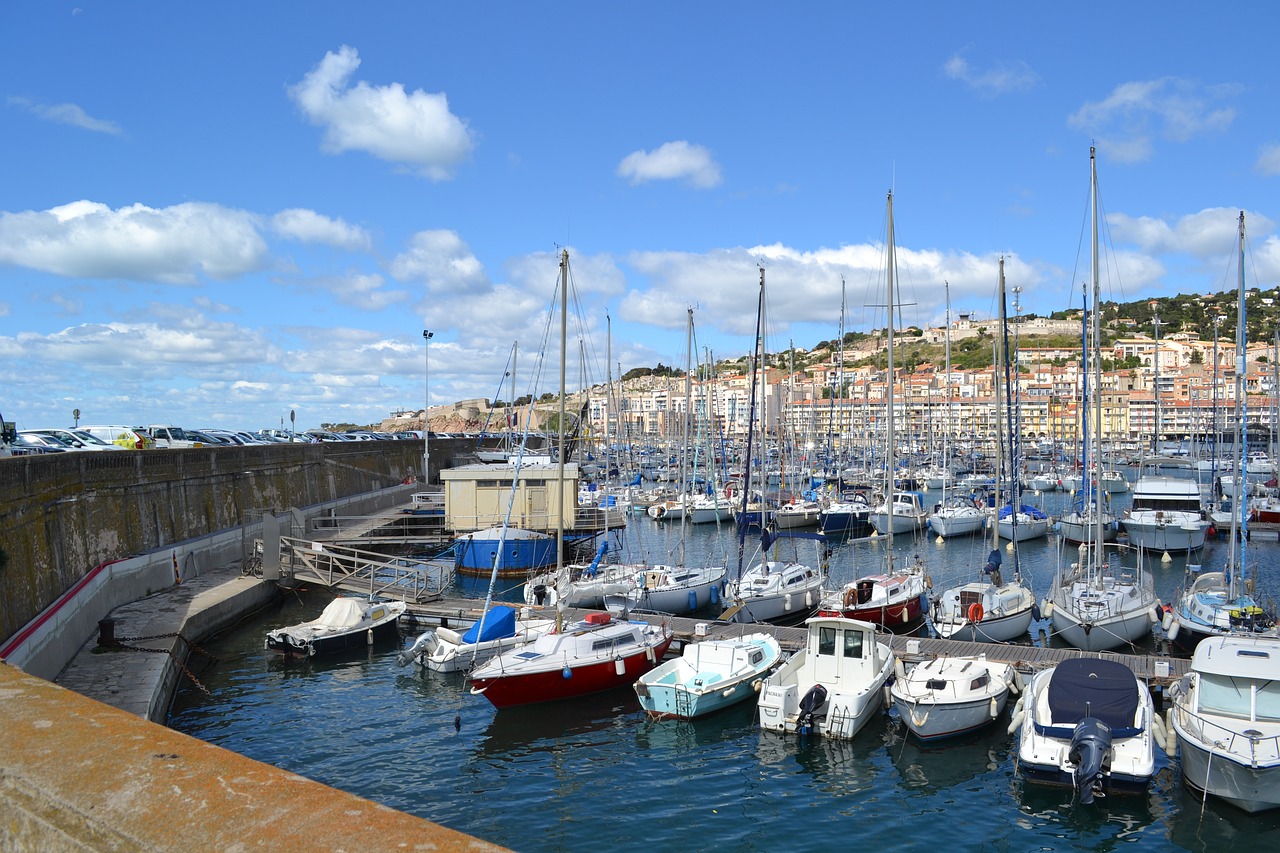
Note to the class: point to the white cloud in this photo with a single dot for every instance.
(307, 226)
(1170, 107)
(69, 114)
(1001, 78)
(416, 129)
(361, 290)
(442, 261)
(89, 240)
(1268, 162)
(1210, 234)
(672, 161)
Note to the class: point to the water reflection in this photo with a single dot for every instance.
(940, 765)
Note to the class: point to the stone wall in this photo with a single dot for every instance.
(65, 513)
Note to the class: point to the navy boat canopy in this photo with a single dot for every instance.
(499, 622)
(1089, 687)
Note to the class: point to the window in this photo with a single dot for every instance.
(853, 644)
(826, 641)
(1221, 694)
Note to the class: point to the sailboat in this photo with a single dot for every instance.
(955, 515)
(1080, 523)
(771, 590)
(1017, 521)
(595, 654)
(1094, 607)
(1221, 603)
(893, 599)
(988, 609)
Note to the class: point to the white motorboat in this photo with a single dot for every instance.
(1166, 514)
(1087, 724)
(346, 622)
(950, 696)
(833, 686)
(957, 516)
(797, 514)
(708, 675)
(905, 512)
(446, 650)
(1226, 719)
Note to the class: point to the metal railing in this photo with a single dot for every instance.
(351, 569)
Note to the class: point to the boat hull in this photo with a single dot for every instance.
(1254, 789)
(549, 685)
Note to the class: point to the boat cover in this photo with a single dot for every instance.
(1089, 687)
(499, 623)
(342, 613)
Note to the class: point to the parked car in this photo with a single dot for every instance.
(76, 439)
(32, 445)
(206, 439)
(324, 435)
(171, 437)
(128, 437)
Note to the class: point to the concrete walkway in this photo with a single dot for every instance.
(142, 682)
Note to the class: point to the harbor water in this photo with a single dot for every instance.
(594, 773)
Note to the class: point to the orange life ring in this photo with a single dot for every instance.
(975, 612)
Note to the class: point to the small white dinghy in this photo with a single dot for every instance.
(708, 675)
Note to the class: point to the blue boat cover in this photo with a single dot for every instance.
(1090, 687)
(499, 622)
(1033, 512)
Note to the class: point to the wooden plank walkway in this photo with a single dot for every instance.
(1156, 670)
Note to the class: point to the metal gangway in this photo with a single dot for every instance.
(407, 579)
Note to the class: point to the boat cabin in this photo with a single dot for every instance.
(478, 496)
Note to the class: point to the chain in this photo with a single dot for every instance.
(169, 652)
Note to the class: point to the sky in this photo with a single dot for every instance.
(214, 214)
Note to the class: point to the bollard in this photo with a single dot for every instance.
(107, 633)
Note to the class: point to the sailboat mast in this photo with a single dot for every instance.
(1099, 549)
(1238, 536)
(946, 439)
(891, 451)
(564, 320)
(751, 424)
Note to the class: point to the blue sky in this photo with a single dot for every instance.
(211, 214)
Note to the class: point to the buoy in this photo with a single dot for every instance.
(874, 534)
(1165, 558)
(1009, 547)
(1016, 722)
(939, 540)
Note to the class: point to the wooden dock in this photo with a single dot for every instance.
(1156, 670)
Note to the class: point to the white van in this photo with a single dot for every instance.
(125, 436)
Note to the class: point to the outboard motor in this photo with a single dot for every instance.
(1090, 752)
(424, 643)
(540, 594)
(813, 700)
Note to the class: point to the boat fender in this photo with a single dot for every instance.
(1016, 722)
(620, 666)
(1035, 611)
(975, 612)
(994, 709)
(888, 697)
(786, 602)
(757, 684)
(369, 637)
(1157, 613)
(729, 692)
(1166, 621)
(899, 669)
(1158, 732)
(1171, 736)
(1174, 626)
(1016, 684)
(649, 654)
(566, 673)
(693, 599)
(928, 582)
(1047, 610)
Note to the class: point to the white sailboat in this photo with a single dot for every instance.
(1093, 606)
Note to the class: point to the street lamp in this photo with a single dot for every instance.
(426, 410)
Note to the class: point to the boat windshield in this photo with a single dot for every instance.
(1242, 698)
